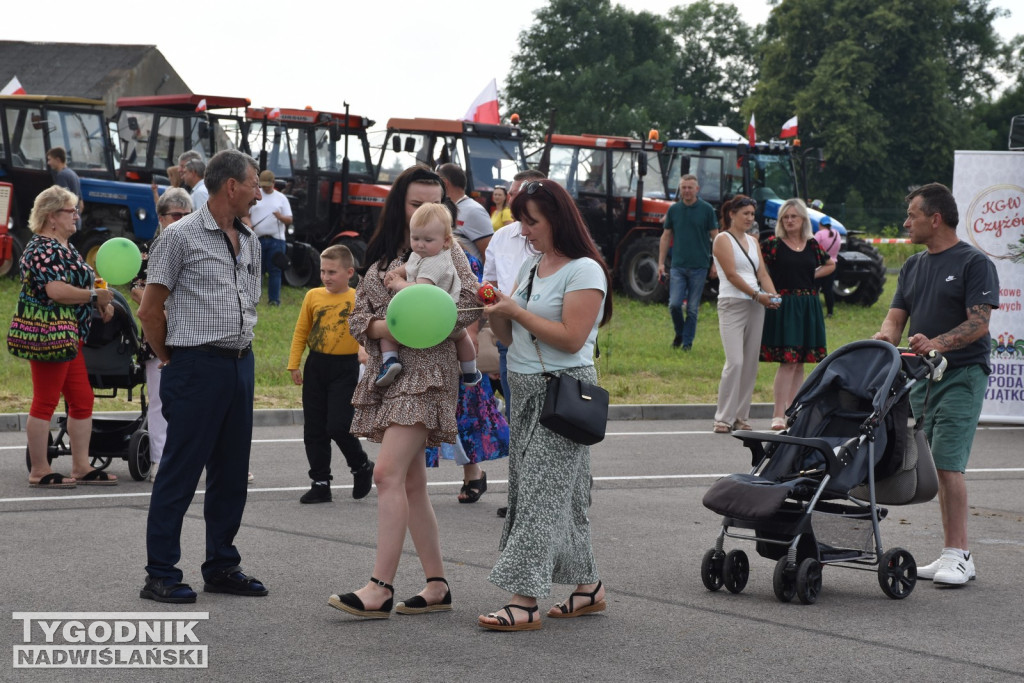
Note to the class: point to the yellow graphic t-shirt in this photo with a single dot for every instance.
(323, 325)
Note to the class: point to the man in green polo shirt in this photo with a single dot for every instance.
(690, 226)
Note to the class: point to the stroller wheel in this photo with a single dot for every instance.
(711, 569)
(51, 452)
(897, 573)
(784, 581)
(735, 571)
(138, 455)
(101, 462)
(808, 581)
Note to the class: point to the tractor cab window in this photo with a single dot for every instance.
(170, 142)
(590, 170)
(133, 131)
(560, 167)
(771, 176)
(28, 146)
(81, 136)
(326, 159)
(493, 161)
(277, 149)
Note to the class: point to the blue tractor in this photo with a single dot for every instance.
(32, 124)
(727, 165)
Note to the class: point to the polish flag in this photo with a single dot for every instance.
(13, 88)
(789, 128)
(485, 107)
(274, 114)
(751, 132)
(201, 107)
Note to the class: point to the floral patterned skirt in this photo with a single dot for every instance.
(794, 332)
(483, 431)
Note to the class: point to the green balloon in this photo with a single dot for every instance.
(421, 316)
(118, 261)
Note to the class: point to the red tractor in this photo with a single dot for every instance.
(155, 130)
(489, 153)
(323, 160)
(606, 176)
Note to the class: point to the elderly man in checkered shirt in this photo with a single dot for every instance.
(204, 271)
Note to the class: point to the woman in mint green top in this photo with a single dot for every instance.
(549, 324)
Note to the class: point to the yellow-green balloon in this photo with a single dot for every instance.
(118, 261)
(421, 316)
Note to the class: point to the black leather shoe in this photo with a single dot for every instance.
(234, 582)
(165, 590)
(362, 480)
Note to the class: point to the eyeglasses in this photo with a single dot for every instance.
(421, 174)
(740, 203)
(73, 211)
(533, 186)
(176, 215)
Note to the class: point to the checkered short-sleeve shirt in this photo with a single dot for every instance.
(213, 291)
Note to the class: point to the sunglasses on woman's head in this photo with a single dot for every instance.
(746, 201)
(532, 187)
(421, 174)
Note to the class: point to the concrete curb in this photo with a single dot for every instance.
(15, 422)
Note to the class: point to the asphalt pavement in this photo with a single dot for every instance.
(83, 551)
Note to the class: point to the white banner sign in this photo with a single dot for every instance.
(989, 192)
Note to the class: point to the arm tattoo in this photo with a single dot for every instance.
(969, 330)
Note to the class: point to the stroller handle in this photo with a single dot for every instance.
(934, 361)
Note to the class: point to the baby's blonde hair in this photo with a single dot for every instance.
(428, 213)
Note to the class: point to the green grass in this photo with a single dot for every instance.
(637, 363)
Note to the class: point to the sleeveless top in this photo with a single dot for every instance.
(726, 290)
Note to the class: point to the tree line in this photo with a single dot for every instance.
(886, 89)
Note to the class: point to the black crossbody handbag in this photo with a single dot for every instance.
(572, 408)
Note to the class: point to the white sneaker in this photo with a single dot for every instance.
(951, 569)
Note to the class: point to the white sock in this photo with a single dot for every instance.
(468, 367)
(389, 354)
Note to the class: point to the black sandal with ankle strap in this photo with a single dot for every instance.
(417, 604)
(350, 602)
(509, 624)
(473, 489)
(567, 611)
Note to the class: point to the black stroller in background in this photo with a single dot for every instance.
(112, 354)
(812, 497)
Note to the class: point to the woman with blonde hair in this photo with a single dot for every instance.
(53, 272)
(794, 334)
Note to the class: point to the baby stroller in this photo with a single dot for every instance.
(812, 497)
(112, 354)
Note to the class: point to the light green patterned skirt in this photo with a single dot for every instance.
(547, 532)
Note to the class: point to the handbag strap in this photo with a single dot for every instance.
(749, 260)
(533, 338)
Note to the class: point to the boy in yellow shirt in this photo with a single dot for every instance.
(331, 375)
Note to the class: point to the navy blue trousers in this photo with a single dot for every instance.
(207, 401)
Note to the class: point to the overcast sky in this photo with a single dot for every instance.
(396, 58)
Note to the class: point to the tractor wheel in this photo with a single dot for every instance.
(9, 267)
(867, 288)
(358, 249)
(304, 270)
(638, 271)
(91, 244)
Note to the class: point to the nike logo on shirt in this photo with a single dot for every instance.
(950, 278)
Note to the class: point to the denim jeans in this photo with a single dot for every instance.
(270, 247)
(686, 284)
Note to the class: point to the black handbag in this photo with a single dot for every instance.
(573, 408)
